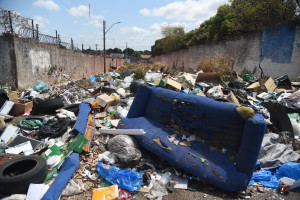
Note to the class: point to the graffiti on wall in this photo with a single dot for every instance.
(277, 43)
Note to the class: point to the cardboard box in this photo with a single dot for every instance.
(21, 106)
(173, 85)
(13, 96)
(264, 85)
(211, 77)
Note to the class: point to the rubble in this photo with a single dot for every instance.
(74, 126)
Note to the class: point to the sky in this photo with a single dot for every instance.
(141, 20)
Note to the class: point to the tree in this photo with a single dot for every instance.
(253, 15)
(16, 20)
(129, 51)
(116, 50)
(147, 52)
(172, 30)
(136, 54)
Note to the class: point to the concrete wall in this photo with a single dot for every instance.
(8, 71)
(38, 61)
(246, 50)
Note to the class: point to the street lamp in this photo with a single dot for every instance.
(104, 33)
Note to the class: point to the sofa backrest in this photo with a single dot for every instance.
(216, 122)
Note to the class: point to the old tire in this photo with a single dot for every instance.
(17, 174)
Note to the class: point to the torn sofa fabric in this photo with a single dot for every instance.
(66, 172)
(218, 123)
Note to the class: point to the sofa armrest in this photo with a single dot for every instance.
(254, 130)
(140, 101)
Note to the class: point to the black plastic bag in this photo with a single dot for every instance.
(54, 128)
(290, 105)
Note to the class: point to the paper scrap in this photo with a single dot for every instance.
(36, 191)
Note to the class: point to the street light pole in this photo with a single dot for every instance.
(104, 33)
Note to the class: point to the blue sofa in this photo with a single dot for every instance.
(219, 124)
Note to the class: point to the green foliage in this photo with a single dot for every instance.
(168, 30)
(116, 50)
(230, 21)
(136, 54)
(129, 51)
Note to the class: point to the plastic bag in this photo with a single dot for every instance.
(295, 95)
(92, 78)
(72, 188)
(107, 156)
(41, 86)
(125, 178)
(54, 128)
(290, 170)
(215, 92)
(152, 76)
(121, 112)
(262, 175)
(296, 127)
(125, 149)
(290, 105)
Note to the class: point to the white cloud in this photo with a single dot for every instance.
(41, 21)
(95, 21)
(50, 5)
(190, 10)
(79, 11)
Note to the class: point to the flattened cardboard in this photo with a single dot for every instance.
(264, 85)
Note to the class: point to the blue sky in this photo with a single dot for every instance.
(141, 19)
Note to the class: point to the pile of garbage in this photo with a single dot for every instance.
(63, 140)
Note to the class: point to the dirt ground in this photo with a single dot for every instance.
(209, 193)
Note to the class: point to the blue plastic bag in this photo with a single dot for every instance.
(262, 175)
(41, 86)
(92, 78)
(127, 179)
(290, 170)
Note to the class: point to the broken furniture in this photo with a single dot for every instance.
(217, 123)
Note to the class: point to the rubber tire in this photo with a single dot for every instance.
(47, 107)
(37, 172)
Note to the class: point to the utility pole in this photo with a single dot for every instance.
(104, 50)
(37, 32)
(126, 51)
(32, 25)
(10, 22)
(72, 44)
(104, 33)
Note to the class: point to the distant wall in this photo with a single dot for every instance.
(38, 61)
(277, 49)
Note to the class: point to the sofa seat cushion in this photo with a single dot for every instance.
(212, 166)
